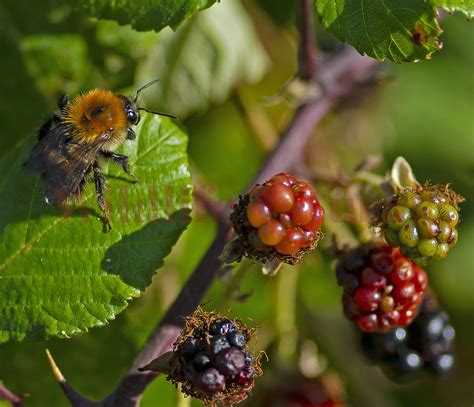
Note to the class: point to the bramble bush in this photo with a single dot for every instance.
(290, 171)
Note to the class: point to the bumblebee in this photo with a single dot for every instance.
(71, 144)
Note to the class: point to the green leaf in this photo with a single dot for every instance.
(201, 62)
(60, 274)
(464, 6)
(143, 15)
(283, 12)
(400, 30)
(71, 72)
(17, 87)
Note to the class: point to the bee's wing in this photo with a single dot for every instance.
(63, 162)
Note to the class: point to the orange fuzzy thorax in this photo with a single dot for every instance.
(95, 113)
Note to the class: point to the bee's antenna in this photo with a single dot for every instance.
(144, 87)
(158, 113)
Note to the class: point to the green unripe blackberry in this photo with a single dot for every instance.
(427, 247)
(441, 251)
(409, 199)
(391, 236)
(397, 216)
(422, 222)
(409, 235)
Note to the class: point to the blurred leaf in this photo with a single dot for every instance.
(38, 17)
(124, 39)
(21, 103)
(224, 149)
(456, 269)
(281, 11)
(59, 273)
(143, 16)
(464, 6)
(201, 62)
(318, 286)
(69, 52)
(437, 120)
(400, 30)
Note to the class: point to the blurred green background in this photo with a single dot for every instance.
(216, 71)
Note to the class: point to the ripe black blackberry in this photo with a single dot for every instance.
(211, 360)
(422, 221)
(426, 345)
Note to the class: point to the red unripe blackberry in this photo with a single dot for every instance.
(292, 241)
(318, 218)
(422, 222)
(279, 220)
(279, 197)
(258, 213)
(284, 179)
(295, 390)
(367, 299)
(382, 288)
(272, 232)
(302, 212)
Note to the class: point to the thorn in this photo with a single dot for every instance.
(54, 367)
(72, 395)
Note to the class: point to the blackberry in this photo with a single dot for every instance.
(279, 220)
(295, 390)
(245, 377)
(230, 361)
(192, 346)
(219, 343)
(236, 339)
(382, 288)
(426, 345)
(210, 381)
(211, 360)
(221, 326)
(201, 361)
(422, 222)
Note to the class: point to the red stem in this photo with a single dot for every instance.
(306, 49)
(7, 395)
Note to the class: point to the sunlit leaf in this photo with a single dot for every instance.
(400, 30)
(60, 274)
(464, 6)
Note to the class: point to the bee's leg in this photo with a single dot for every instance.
(44, 129)
(121, 160)
(99, 191)
(131, 135)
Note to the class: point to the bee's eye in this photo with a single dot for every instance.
(133, 116)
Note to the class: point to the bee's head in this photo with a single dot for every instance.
(132, 108)
(131, 111)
